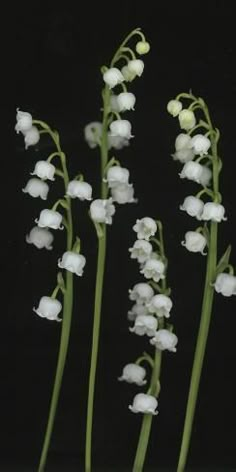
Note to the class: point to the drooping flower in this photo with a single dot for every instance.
(164, 340)
(194, 242)
(144, 324)
(36, 188)
(102, 210)
(49, 308)
(44, 170)
(123, 193)
(187, 119)
(161, 305)
(213, 212)
(40, 237)
(145, 228)
(117, 175)
(183, 150)
(32, 137)
(137, 309)
(141, 293)
(23, 121)
(174, 107)
(144, 403)
(113, 77)
(141, 250)
(136, 66)
(200, 144)
(92, 133)
(121, 128)
(142, 47)
(193, 206)
(192, 171)
(79, 189)
(72, 262)
(128, 74)
(117, 142)
(225, 284)
(153, 269)
(126, 101)
(49, 219)
(133, 373)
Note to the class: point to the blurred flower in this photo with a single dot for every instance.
(101, 211)
(40, 237)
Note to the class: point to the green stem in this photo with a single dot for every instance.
(200, 348)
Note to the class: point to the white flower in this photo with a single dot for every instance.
(141, 250)
(192, 171)
(117, 142)
(137, 309)
(183, 141)
(128, 74)
(193, 206)
(200, 144)
(117, 175)
(112, 77)
(145, 228)
(160, 305)
(141, 293)
(213, 212)
(225, 284)
(174, 107)
(44, 170)
(153, 269)
(133, 373)
(144, 403)
(101, 211)
(123, 193)
(36, 188)
(40, 237)
(121, 128)
(144, 324)
(92, 133)
(49, 308)
(205, 176)
(49, 218)
(187, 119)
(79, 189)
(126, 101)
(142, 47)
(32, 137)
(164, 339)
(136, 66)
(195, 242)
(72, 262)
(23, 121)
(184, 155)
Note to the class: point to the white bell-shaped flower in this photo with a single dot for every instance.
(195, 242)
(141, 250)
(164, 340)
(183, 141)
(126, 101)
(127, 74)
(174, 107)
(193, 206)
(40, 237)
(145, 228)
(137, 309)
(102, 210)
(24, 121)
(200, 144)
(205, 176)
(117, 142)
(187, 119)
(144, 324)
(144, 403)
(183, 155)
(133, 373)
(141, 293)
(117, 175)
(113, 77)
(36, 188)
(49, 308)
(49, 219)
(79, 189)
(136, 66)
(121, 128)
(153, 269)
(32, 137)
(44, 170)
(213, 212)
(192, 171)
(92, 133)
(72, 262)
(160, 305)
(123, 193)
(225, 284)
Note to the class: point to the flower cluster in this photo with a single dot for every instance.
(152, 305)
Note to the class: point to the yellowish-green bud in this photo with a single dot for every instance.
(142, 47)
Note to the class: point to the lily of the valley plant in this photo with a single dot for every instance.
(196, 149)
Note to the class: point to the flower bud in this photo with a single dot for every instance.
(142, 47)
(92, 133)
(187, 119)
(174, 107)
(117, 175)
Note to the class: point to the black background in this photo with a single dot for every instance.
(58, 54)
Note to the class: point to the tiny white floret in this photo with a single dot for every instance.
(121, 128)
(49, 218)
(126, 101)
(44, 170)
(123, 193)
(195, 242)
(161, 305)
(145, 228)
(141, 250)
(133, 373)
(32, 137)
(36, 188)
(144, 324)
(72, 262)
(200, 144)
(113, 77)
(153, 269)
(193, 206)
(174, 107)
(192, 171)
(24, 121)
(92, 133)
(49, 308)
(102, 210)
(141, 293)
(164, 340)
(79, 189)
(225, 284)
(144, 403)
(40, 237)
(187, 119)
(136, 66)
(213, 212)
